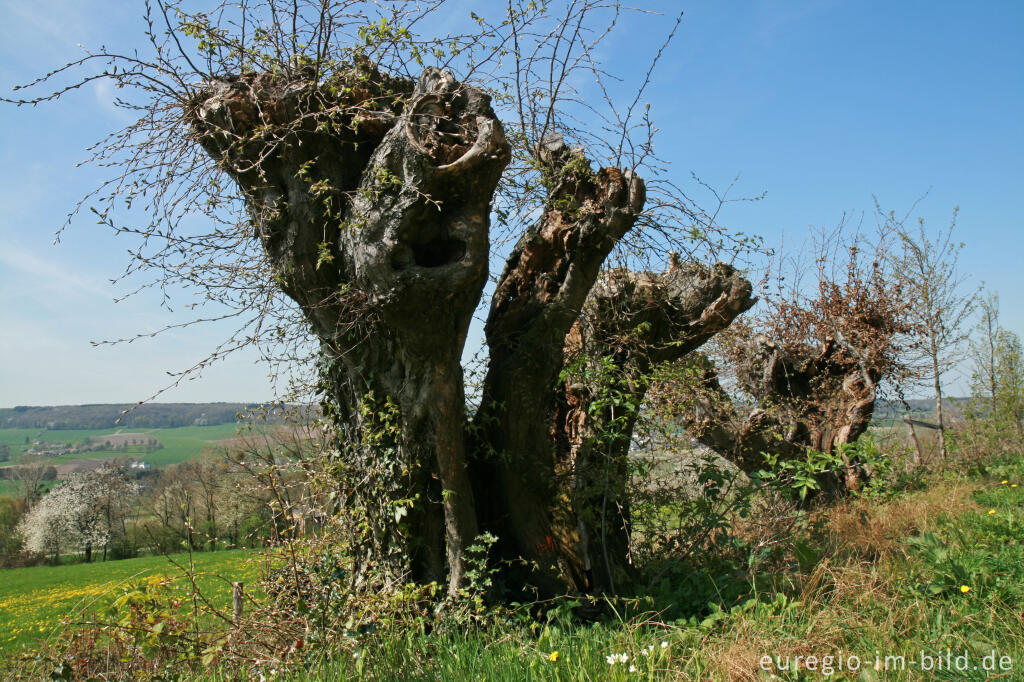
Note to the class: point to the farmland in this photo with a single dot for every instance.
(34, 600)
(179, 444)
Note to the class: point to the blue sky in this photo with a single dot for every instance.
(820, 104)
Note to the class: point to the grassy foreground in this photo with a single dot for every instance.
(919, 585)
(34, 600)
(924, 585)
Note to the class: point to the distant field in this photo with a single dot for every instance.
(179, 444)
(11, 488)
(15, 439)
(33, 600)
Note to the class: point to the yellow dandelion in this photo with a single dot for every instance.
(991, 511)
(553, 657)
(1013, 485)
(965, 588)
(1003, 482)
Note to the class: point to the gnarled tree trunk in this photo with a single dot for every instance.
(371, 198)
(372, 202)
(538, 299)
(632, 323)
(816, 399)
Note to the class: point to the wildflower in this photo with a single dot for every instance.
(553, 657)
(965, 588)
(1003, 482)
(632, 668)
(664, 644)
(991, 511)
(610, 660)
(1013, 485)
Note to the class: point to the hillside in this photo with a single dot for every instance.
(147, 415)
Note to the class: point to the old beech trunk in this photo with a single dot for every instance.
(371, 198)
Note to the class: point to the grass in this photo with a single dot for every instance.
(927, 579)
(34, 600)
(902, 586)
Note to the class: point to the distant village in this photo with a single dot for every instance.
(114, 441)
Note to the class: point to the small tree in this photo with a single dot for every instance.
(984, 379)
(46, 527)
(998, 379)
(941, 307)
(31, 479)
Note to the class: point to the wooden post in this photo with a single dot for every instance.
(237, 601)
(917, 443)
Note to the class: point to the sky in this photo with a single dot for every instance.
(821, 105)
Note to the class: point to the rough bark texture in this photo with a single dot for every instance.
(371, 197)
(372, 203)
(539, 296)
(632, 323)
(814, 399)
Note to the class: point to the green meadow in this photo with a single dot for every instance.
(179, 444)
(33, 601)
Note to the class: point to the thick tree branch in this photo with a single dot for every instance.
(632, 322)
(538, 298)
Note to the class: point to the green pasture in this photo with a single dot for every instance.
(34, 600)
(179, 444)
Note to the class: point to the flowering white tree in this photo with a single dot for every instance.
(83, 512)
(45, 526)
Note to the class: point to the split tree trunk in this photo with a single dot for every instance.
(538, 299)
(371, 196)
(372, 201)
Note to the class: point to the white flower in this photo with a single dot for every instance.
(664, 644)
(610, 659)
(632, 668)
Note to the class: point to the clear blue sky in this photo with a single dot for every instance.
(820, 104)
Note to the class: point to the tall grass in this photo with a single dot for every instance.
(931, 577)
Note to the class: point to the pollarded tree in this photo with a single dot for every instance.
(349, 180)
(803, 372)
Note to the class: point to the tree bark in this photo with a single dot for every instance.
(539, 297)
(938, 402)
(816, 399)
(373, 207)
(370, 197)
(632, 323)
